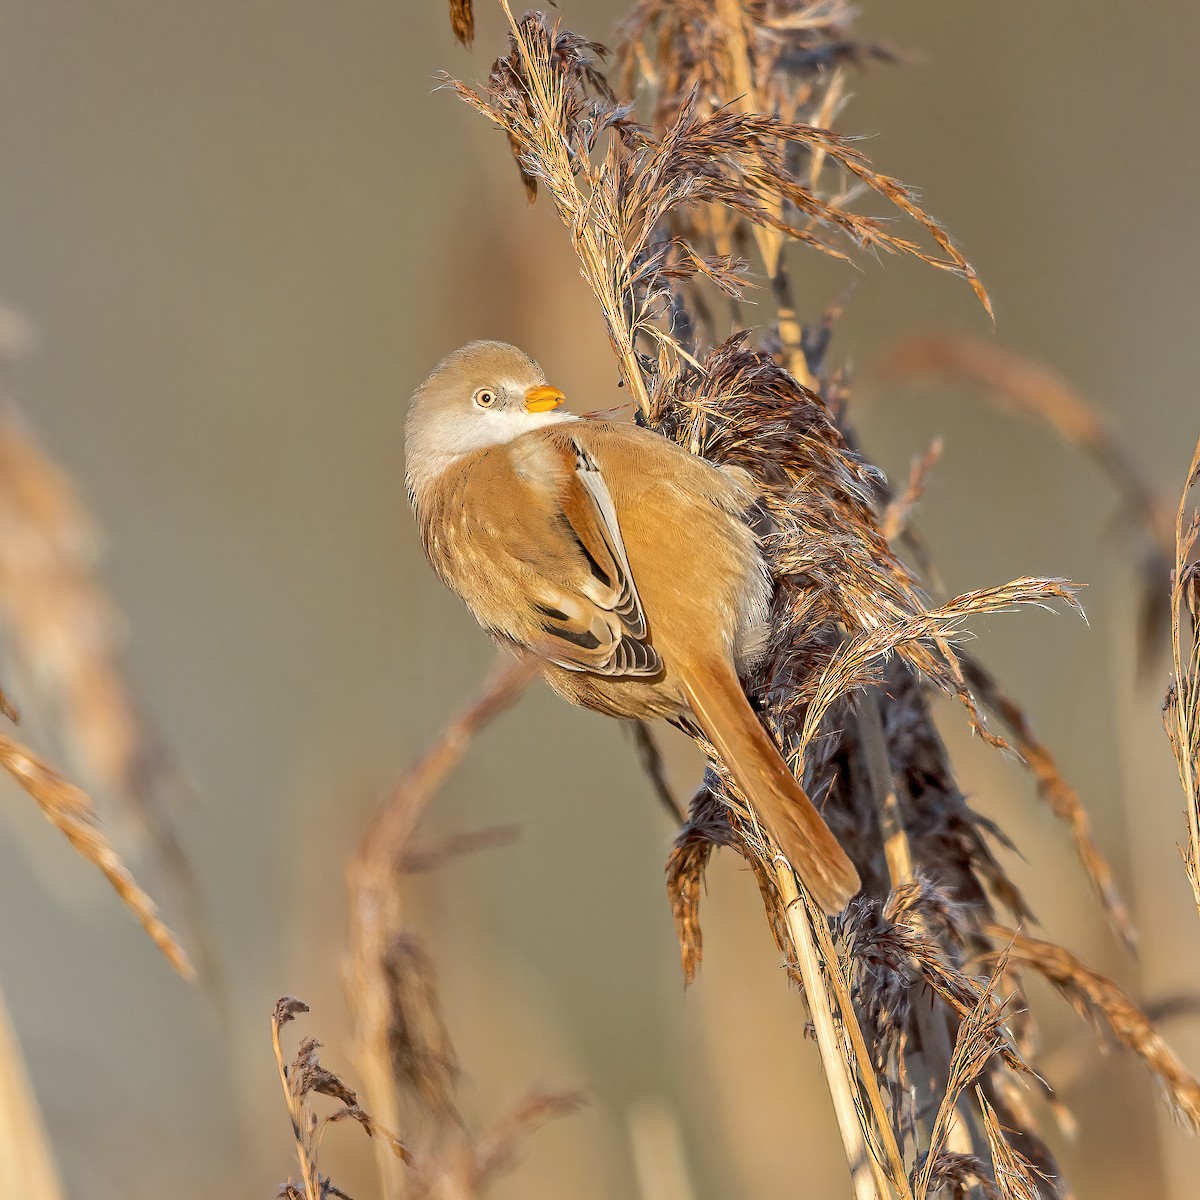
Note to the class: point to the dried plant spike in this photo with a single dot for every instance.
(859, 662)
(980, 1036)
(70, 810)
(1063, 800)
(1098, 999)
(1016, 1177)
(895, 518)
(615, 184)
(496, 1151)
(651, 759)
(62, 639)
(405, 1053)
(1030, 389)
(1181, 710)
(302, 1079)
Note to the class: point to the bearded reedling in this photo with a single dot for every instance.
(626, 567)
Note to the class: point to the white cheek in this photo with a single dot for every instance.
(512, 422)
(438, 447)
(495, 428)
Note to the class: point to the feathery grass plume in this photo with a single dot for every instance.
(1016, 1177)
(70, 810)
(1096, 998)
(737, 157)
(785, 59)
(303, 1079)
(61, 638)
(859, 662)
(1030, 389)
(980, 1037)
(617, 186)
(406, 1056)
(1181, 709)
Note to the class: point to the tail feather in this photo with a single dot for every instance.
(752, 758)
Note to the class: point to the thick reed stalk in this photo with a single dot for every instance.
(937, 1048)
(770, 240)
(1181, 713)
(866, 1175)
(26, 1162)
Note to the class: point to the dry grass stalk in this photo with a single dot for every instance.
(896, 515)
(867, 1175)
(651, 759)
(303, 1079)
(62, 638)
(69, 810)
(658, 1151)
(981, 1035)
(932, 1026)
(405, 1054)
(660, 216)
(1181, 709)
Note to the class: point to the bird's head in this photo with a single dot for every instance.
(482, 395)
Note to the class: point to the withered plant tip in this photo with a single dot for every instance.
(303, 1079)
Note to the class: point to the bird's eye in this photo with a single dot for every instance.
(485, 397)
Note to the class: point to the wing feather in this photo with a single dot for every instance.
(602, 627)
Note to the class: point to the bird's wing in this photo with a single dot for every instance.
(592, 618)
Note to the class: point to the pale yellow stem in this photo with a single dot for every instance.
(866, 1176)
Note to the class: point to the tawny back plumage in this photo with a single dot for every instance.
(625, 565)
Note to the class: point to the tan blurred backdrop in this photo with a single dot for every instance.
(243, 230)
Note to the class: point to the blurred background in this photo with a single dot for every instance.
(242, 232)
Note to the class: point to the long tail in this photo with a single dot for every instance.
(752, 758)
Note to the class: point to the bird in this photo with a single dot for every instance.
(626, 567)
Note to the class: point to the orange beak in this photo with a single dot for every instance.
(543, 399)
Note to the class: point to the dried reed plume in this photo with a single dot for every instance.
(732, 161)
(70, 811)
(60, 635)
(1030, 389)
(1181, 709)
(1106, 1006)
(61, 639)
